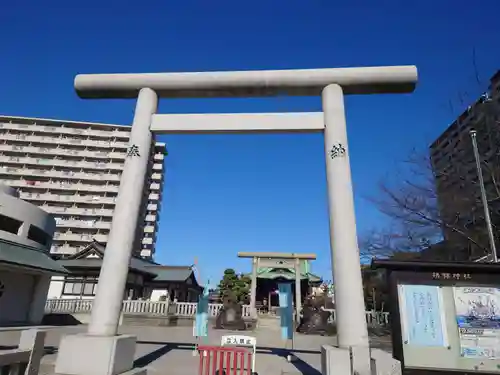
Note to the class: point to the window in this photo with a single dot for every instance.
(9, 224)
(38, 235)
(77, 288)
(69, 288)
(80, 286)
(88, 289)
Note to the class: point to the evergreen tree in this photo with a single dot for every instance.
(234, 286)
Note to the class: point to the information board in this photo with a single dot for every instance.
(422, 314)
(478, 320)
(454, 327)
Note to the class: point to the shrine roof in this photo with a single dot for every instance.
(18, 255)
(172, 273)
(287, 273)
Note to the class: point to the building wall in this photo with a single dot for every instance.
(154, 294)
(454, 165)
(38, 299)
(174, 294)
(56, 287)
(24, 223)
(22, 297)
(72, 170)
(16, 298)
(23, 292)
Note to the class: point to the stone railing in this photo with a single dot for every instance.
(139, 307)
(154, 308)
(184, 309)
(68, 306)
(26, 358)
(373, 318)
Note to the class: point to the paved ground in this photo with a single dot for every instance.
(169, 350)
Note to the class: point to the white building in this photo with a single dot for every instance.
(72, 170)
(25, 265)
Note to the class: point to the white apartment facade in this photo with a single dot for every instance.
(72, 170)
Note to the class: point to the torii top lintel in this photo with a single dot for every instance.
(303, 82)
(277, 255)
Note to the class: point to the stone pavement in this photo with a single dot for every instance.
(169, 350)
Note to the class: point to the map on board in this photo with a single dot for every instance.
(423, 322)
(478, 320)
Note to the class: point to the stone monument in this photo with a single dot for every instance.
(314, 318)
(230, 316)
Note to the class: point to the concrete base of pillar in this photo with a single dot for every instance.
(83, 354)
(361, 361)
(382, 363)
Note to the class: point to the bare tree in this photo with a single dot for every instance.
(440, 197)
(420, 216)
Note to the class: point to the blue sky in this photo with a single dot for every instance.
(225, 194)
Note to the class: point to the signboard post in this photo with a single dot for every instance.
(286, 315)
(200, 327)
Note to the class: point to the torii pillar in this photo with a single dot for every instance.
(101, 351)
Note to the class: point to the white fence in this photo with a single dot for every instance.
(189, 309)
(158, 308)
(373, 318)
(75, 306)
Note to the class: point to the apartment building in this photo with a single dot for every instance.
(454, 165)
(73, 170)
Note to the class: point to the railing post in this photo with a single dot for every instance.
(33, 340)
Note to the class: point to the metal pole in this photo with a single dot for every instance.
(483, 196)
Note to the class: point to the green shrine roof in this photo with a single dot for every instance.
(28, 257)
(286, 273)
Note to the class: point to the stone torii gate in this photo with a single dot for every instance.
(276, 260)
(101, 351)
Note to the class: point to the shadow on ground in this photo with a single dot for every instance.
(166, 347)
(47, 350)
(61, 320)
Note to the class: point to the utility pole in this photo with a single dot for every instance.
(483, 196)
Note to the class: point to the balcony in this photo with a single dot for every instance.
(147, 241)
(157, 176)
(152, 207)
(159, 157)
(91, 199)
(62, 223)
(62, 185)
(50, 173)
(63, 152)
(61, 163)
(150, 218)
(160, 146)
(155, 186)
(157, 167)
(154, 197)
(64, 249)
(78, 237)
(62, 140)
(47, 197)
(94, 132)
(149, 229)
(77, 211)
